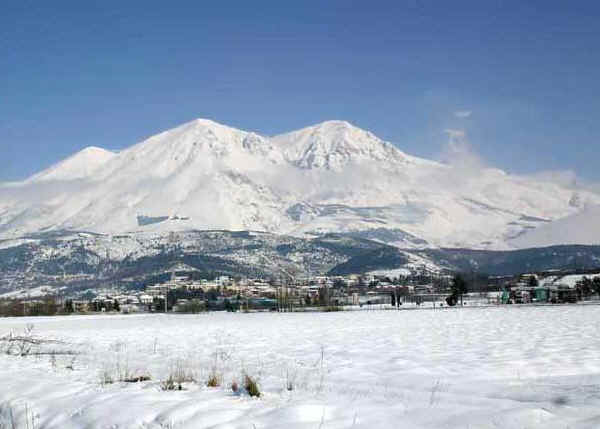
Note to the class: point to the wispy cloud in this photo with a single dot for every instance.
(566, 179)
(459, 152)
(462, 114)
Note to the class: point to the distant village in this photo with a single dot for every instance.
(184, 293)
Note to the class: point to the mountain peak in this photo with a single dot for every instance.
(333, 144)
(330, 127)
(78, 166)
(193, 133)
(201, 125)
(196, 146)
(208, 122)
(334, 124)
(94, 150)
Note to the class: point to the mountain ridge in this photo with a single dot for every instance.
(328, 177)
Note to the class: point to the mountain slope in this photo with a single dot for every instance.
(330, 177)
(83, 260)
(79, 166)
(332, 145)
(580, 228)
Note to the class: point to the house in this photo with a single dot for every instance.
(146, 299)
(80, 306)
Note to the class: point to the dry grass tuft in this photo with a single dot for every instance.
(251, 386)
(214, 380)
(170, 384)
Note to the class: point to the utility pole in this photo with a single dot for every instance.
(279, 294)
(167, 292)
(172, 241)
(247, 299)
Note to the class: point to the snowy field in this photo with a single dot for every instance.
(510, 367)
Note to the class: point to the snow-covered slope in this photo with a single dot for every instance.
(580, 228)
(515, 368)
(331, 177)
(333, 145)
(79, 166)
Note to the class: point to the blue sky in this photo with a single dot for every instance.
(524, 76)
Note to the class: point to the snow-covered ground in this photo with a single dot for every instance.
(35, 292)
(569, 280)
(504, 367)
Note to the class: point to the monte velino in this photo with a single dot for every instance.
(330, 177)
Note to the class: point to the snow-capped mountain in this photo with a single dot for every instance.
(331, 177)
(333, 145)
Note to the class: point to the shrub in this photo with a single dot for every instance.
(137, 379)
(71, 365)
(214, 380)
(290, 380)
(251, 386)
(235, 388)
(193, 306)
(169, 384)
(178, 375)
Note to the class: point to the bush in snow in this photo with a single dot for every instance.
(178, 374)
(169, 384)
(214, 380)
(251, 386)
(137, 379)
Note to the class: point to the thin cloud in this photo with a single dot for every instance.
(458, 151)
(463, 162)
(567, 179)
(463, 114)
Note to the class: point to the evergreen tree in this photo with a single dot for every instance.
(361, 282)
(459, 288)
(585, 287)
(339, 284)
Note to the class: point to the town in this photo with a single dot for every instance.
(185, 292)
